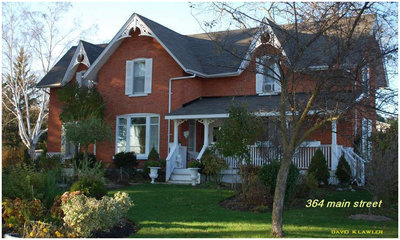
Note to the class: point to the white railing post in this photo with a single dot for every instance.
(334, 154)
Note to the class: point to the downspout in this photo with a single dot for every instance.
(169, 100)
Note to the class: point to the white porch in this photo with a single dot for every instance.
(260, 154)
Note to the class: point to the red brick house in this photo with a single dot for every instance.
(172, 92)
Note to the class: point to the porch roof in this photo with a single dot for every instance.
(218, 107)
(262, 105)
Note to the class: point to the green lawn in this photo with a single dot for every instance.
(163, 210)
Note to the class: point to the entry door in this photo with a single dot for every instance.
(192, 136)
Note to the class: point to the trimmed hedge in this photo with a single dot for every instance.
(343, 171)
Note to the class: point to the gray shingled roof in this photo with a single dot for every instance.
(56, 73)
(199, 52)
(256, 103)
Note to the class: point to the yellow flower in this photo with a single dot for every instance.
(31, 234)
(10, 225)
(45, 230)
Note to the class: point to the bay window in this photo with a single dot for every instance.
(137, 133)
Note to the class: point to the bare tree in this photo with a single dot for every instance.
(323, 46)
(47, 39)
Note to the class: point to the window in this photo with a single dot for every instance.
(365, 80)
(137, 133)
(366, 133)
(267, 77)
(138, 77)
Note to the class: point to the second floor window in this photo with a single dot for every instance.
(267, 76)
(138, 77)
(365, 83)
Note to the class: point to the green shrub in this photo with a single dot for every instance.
(319, 167)
(87, 215)
(125, 160)
(153, 155)
(79, 159)
(23, 181)
(90, 187)
(269, 173)
(343, 171)
(48, 162)
(212, 164)
(195, 164)
(83, 169)
(153, 164)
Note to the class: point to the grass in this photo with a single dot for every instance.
(171, 211)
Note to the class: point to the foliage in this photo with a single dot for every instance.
(80, 103)
(48, 162)
(268, 175)
(254, 193)
(125, 160)
(319, 167)
(238, 131)
(343, 171)
(153, 155)
(23, 181)
(153, 164)
(86, 215)
(382, 170)
(195, 164)
(14, 155)
(83, 169)
(38, 229)
(79, 158)
(90, 187)
(212, 164)
(87, 131)
(16, 212)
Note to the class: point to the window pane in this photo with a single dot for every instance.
(154, 137)
(121, 139)
(138, 135)
(154, 120)
(138, 77)
(138, 120)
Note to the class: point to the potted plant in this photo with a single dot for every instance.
(153, 166)
(194, 167)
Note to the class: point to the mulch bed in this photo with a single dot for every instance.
(121, 230)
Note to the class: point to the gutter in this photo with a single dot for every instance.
(170, 100)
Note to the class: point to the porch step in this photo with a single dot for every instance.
(183, 171)
(180, 176)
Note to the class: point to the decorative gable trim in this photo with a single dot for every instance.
(79, 57)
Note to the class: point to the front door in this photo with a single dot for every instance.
(192, 139)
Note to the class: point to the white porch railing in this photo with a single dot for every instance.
(357, 163)
(171, 161)
(261, 155)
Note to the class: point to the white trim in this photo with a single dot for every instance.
(199, 116)
(73, 65)
(138, 95)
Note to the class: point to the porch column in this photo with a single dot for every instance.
(206, 130)
(334, 152)
(176, 125)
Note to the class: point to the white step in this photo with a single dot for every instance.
(180, 177)
(184, 171)
(179, 182)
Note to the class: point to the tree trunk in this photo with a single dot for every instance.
(32, 150)
(279, 196)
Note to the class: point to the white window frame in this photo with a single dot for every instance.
(365, 80)
(366, 133)
(261, 78)
(128, 127)
(129, 77)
